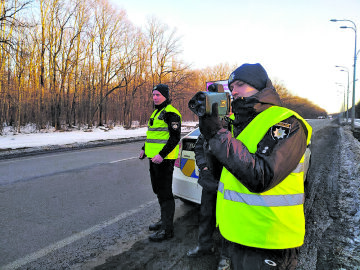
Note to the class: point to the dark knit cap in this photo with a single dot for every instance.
(163, 89)
(252, 74)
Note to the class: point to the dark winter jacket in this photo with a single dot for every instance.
(276, 156)
(208, 179)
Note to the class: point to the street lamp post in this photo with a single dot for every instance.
(347, 99)
(342, 107)
(354, 75)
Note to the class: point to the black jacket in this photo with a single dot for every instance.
(208, 179)
(276, 156)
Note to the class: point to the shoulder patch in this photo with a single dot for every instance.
(282, 124)
(175, 125)
(280, 131)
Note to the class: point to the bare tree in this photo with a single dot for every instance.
(163, 48)
(109, 30)
(9, 20)
(134, 71)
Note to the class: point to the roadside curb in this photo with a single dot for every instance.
(31, 151)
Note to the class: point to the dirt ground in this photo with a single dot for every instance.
(332, 203)
(332, 212)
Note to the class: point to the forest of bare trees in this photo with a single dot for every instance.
(66, 63)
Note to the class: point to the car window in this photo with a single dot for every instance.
(196, 132)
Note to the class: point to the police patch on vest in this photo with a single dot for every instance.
(280, 131)
(175, 125)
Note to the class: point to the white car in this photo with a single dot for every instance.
(186, 173)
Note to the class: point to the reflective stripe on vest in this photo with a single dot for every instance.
(262, 200)
(156, 141)
(158, 134)
(157, 129)
(273, 219)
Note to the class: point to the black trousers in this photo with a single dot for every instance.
(248, 258)
(207, 223)
(207, 219)
(161, 180)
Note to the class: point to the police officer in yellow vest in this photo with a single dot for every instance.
(261, 191)
(161, 147)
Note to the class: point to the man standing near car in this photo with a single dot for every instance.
(261, 190)
(209, 176)
(161, 147)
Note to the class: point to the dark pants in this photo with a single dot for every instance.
(207, 219)
(248, 258)
(207, 223)
(161, 180)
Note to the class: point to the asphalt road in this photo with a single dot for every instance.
(56, 209)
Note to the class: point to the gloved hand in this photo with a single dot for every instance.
(210, 124)
(207, 181)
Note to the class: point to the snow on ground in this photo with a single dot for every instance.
(29, 137)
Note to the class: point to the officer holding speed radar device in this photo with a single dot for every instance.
(209, 176)
(260, 197)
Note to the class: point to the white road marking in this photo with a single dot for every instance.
(69, 240)
(115, 161)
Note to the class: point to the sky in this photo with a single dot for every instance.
(294, 40)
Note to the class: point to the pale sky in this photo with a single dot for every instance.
(293, 40)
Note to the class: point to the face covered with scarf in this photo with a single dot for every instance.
(245, 82)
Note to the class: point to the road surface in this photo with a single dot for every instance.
(90, 209)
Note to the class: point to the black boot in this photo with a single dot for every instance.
(161, 235)
(198, 251)
(156, 226)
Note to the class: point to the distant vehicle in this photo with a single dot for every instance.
(186, 172)
(321, 117)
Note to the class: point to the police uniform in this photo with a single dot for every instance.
(163, 136)
(209, 175)
(261, 190)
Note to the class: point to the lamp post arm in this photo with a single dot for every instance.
(354, 74)
(344, 20)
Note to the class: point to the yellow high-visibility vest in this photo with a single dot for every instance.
(158, 134)
(273, 219)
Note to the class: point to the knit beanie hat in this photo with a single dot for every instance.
(163, 89)
(252, 74)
